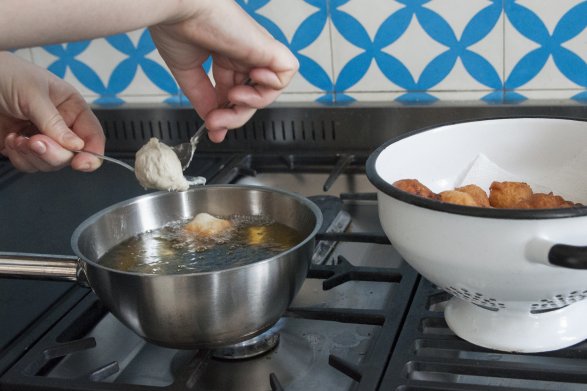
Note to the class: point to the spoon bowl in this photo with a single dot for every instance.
(185, 151)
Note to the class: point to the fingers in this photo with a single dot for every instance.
(39, 153)
(17, 159)
(198, 88)
(74, 114)
(220, 120)
(88, 127)
(42, 153)
(280, 70)
(246, 100)
(48, 155)
(49, 121)
(256, 96)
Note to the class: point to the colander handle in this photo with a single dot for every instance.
(550, 253)
(565, 255)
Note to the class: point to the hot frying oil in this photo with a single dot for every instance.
(174, 250)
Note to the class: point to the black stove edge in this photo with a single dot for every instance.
(311, 128)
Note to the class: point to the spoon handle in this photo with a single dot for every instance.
(185, 151)
(110, 159)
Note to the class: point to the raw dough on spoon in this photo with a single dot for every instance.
(158, 167)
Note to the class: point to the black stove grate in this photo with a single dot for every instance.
(429, 357)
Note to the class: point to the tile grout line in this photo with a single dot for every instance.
(329, 20)
(503, 51)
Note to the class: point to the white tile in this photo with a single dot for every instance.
(578, 45)
(298, 97)
(142, 85)
(135, 36)
(491, 47)
(41, 57)
(102, 57)
(26, 54)
(459, 79)
(415, 48)
(549, 78)
(475, 97)
(44, 59)
(458, 13)
(288, 15)
(371, 16)
(300, 85)
(155, 56)
(374, 81)
(375, 97)
(342, 51)
(550, 95)
(89, 96)
(550, 12)
(152, 98)
(320, 51)
(442, 96)
(516, 47)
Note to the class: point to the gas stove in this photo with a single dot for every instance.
(363, 320)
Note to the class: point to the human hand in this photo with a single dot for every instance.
(240, 49)
(43, 119)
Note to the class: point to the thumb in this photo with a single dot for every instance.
(45, 116)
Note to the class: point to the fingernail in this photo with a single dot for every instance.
(21, 144)
(38, 147)
(72, 141)
(9, 140)
(85, 167)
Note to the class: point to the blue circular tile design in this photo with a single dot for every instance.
(328, 16)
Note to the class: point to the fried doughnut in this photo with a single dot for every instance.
(206, 225)
(458, 197)
(508, 194)
(415, 187)
(477, 193)
(544, 201)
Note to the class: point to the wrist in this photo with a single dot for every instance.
(198, 9)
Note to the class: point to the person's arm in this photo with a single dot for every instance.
(185, 32)
(26, 23)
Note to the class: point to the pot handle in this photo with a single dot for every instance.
(42, 267)
(557, 254)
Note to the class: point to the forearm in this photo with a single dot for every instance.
(26, 23)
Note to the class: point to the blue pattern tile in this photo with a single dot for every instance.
(410, 51)
(547, 45)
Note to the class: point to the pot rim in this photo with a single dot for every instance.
(495, 213)
(94, 263)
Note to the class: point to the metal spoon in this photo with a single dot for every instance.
(185, 151)
(193, 181)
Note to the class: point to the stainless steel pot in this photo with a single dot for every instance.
(186, 310)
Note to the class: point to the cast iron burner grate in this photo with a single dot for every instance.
(428, 356)
(250, 348)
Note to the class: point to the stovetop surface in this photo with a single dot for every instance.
(363, 320)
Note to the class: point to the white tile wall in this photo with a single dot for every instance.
(409, 51)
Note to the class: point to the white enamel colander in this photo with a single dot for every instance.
(518, 277)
